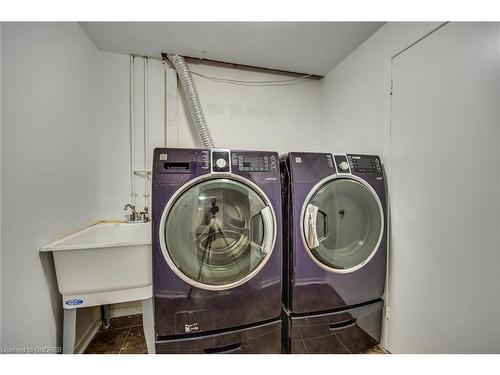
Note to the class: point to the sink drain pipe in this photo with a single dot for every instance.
(192, 99)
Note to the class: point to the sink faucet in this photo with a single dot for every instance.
(134, 216)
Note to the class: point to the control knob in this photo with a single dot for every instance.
(221, 163)
(344, 166)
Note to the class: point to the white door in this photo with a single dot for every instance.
(445, 192)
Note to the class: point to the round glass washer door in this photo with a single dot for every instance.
(218, 233)
(342, 224)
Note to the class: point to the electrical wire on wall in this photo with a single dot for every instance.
(185, 74)
(283, 82)
(278, 82)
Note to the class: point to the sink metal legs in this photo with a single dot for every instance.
(105, 316)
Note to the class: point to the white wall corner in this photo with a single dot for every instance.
(66, 57)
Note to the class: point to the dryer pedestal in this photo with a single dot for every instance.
(261, 339)
(351, 330)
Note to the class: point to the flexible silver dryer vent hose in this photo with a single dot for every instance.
(193, 100)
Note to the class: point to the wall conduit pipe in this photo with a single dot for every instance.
(132, 130)
(146, 107)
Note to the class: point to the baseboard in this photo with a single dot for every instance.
(127, 308)
(88, 336)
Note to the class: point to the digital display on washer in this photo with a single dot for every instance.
(364, 164)
(253, 163)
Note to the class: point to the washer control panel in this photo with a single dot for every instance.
(252, 161)
(221, 161)
(365, 164)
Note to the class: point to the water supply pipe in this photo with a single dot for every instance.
(146, 125)
(132, 130)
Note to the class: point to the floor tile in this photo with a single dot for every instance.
(107, 342)
(377, 349)
(135, 342)
(137, 321)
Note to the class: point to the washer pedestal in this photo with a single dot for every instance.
(352, 330)
(261, 339)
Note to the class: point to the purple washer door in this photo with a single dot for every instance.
(218, 233)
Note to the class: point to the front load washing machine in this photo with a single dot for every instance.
(216, 251)
(335, 253)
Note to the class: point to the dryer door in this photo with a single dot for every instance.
(342, 224)
(218, 233)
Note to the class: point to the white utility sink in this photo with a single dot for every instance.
(103, 264)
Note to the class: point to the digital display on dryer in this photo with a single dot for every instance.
(364, 164)
(253, 163)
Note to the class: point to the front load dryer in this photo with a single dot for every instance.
(335, 253)
(216, 251)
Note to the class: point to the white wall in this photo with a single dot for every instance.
(445, 184)
(354, 94)
(281, 118)
(48, 169)
(112, 120)
(355, 115)
(278, 118)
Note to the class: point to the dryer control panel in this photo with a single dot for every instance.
(365, 164)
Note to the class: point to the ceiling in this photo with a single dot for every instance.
(301, 47)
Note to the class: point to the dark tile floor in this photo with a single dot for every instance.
(377, 349)
(123, 336)
(126, 336)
